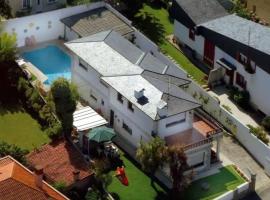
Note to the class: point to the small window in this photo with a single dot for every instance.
(192, 34)
(126, 127)
(103, 83)
(240, 80)
(102, 102)
(130, 106)
(175, 123)
(93, 97)
(120, 97)
(51, 1)
(243, 59)
(82, 65)
(26, 4)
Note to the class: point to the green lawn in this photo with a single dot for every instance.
(19, 128)
(227, 179)
(139, 185)
(156, 24)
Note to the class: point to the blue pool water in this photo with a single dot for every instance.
(52, 61)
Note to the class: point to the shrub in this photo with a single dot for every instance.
(60, 186)
(54, 130)
(240, 97)
(227, 108)
(259, 132)
(14, 151)
(266, 123)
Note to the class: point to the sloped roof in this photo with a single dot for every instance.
(97, 20)
(59, 160)
(201, 11)
(127, 68)
(242, 30)
(17, 182)
(153, 94)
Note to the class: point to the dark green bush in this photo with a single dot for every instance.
(242, 98)
(266, 123)
(14, 151)
(54, 131)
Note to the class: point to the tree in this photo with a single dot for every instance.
(65, 96)
(5, 10)
(178, 165)
(152, 155)
(8, 48)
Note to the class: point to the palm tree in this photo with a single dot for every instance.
(178, 165)
(152, 155)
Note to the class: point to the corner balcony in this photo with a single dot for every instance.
(204, 131)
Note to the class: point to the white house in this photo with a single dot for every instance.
(133, 92)
(236, 50)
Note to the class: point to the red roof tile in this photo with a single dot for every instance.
(59, 160)
(17, 182)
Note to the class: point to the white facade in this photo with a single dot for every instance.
(256, 83)
(142, 126)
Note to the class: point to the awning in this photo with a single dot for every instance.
(87, 118)
(224, 63)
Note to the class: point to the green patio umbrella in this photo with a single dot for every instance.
(101, 134)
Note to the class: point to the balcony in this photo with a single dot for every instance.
(204, 131)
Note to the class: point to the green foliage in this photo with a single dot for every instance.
(54, 130)
(242, 98)
(5, 10)
(152, 155)
(240, 10)
(266, 123)
(260, 133)
(228, 108)
(60, 186)
(7, 47)
(14, 151)
(65, 96)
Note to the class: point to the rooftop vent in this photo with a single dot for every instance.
(162, 109)
(139, 93)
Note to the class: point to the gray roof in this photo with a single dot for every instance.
(108, 53)
(97, 20)
(126, 68)
(126, 85)
(243, 31)
(201, 11)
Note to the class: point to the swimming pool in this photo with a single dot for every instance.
(52, 61)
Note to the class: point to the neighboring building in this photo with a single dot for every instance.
(24, 7)
(238, 50)
(95, 21)
(17, 182)
(137, 95)
(62, 162)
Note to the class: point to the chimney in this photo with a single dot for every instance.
(76, 175)
(139, 93)
(162, 109)
(38, 174)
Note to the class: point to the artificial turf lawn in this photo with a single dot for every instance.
(139, 185)
(156, 24)
(19, 128)
(227, 179)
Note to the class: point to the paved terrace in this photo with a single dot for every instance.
(198, 135)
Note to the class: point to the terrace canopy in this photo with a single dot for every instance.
(87, 118)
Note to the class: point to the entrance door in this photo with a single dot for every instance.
(230, 74)
(111, 118)
(209, 53)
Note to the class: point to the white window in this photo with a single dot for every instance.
(243, 59)
(175, 123)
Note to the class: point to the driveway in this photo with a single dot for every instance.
(232, 151)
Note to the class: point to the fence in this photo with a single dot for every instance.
(258, 149)
(44, 26)
(238, 193)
